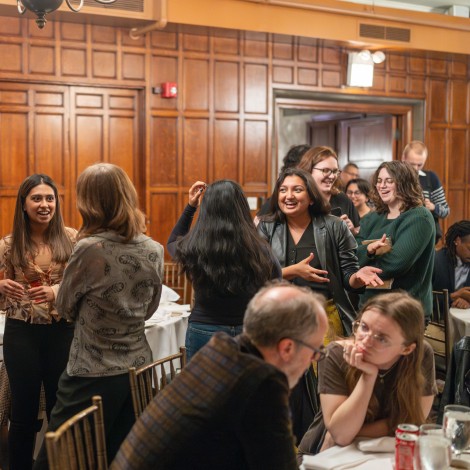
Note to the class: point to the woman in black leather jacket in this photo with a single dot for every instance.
(314, 248)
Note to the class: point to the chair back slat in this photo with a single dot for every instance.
(173, 278)
(148, 380)
(79, 444)
(437, 331)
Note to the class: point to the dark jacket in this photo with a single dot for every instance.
(443, 276)
(336, 248)
(457, 387)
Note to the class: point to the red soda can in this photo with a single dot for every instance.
(407, 428)
(404, 450)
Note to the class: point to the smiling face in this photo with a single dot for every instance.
(357, 197)
(293, 198)
(380, 339)
(40, 205)
(325, 183)
(387, 188)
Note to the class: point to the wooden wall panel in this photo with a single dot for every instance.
(437, 151)
(7, 208)
(195, 151)
(256, 87)
(122, 146)
(459, 100)
(162, 213)
(438, 101)
(226, 149)
(196, 85)
(457, 202)
(164, 158)
(49, 146)
(14, 148)
(226, 87)
(163, 69)
(255, 169)
(458, 169)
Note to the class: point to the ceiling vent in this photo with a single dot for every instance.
(126, 5)
(384, 32)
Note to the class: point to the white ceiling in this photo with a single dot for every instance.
(437, 6)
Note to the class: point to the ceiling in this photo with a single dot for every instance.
(435, 6)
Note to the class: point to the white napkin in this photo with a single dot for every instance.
(381, 444)
(343, 458)
(169, 295)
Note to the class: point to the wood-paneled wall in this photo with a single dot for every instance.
(74, 94)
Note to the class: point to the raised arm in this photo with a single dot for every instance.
(186, 219)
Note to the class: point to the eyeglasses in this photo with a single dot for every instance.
(353, 193)
(354, 175)
(329, 171)
(318, 353)
(361, 330)
(386, 181)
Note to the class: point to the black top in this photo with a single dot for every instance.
(215, 308)
(296, 253)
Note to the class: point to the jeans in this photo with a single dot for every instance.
(199, 334)
(33, 353)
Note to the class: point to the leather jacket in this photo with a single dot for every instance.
(336, 249)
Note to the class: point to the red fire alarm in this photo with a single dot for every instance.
(169, 90)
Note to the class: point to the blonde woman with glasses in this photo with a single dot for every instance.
(381, 376)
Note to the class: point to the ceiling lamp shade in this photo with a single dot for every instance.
(42, 7)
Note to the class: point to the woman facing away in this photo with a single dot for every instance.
(224, 258)
(322, 163)
(358, 191)
(111, 285)
(404, 233)
(380, 377)
(37, 339)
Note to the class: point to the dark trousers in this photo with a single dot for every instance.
(33, 354)
(75, 394)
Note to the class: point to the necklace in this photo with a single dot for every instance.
(384, 374)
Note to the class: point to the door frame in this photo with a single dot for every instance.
(402, 111)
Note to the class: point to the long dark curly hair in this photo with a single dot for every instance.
(408, 188)
(223, 253)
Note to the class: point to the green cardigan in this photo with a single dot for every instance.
(411, 261)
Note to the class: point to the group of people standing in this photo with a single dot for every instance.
(76, 302)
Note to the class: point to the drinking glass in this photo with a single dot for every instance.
(431, 429)
(434, 452)
(457, 427)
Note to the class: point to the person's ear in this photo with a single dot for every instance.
(286, 348)
(408, 349)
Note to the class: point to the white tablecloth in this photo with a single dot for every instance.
(459, 323)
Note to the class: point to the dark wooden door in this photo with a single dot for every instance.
(59, 130)
(367, 142)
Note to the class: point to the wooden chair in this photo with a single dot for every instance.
(437, 332)
(79, 444)
(178, 282)
(147, 381)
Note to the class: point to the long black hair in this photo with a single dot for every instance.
(223, 253)
(459, 229)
